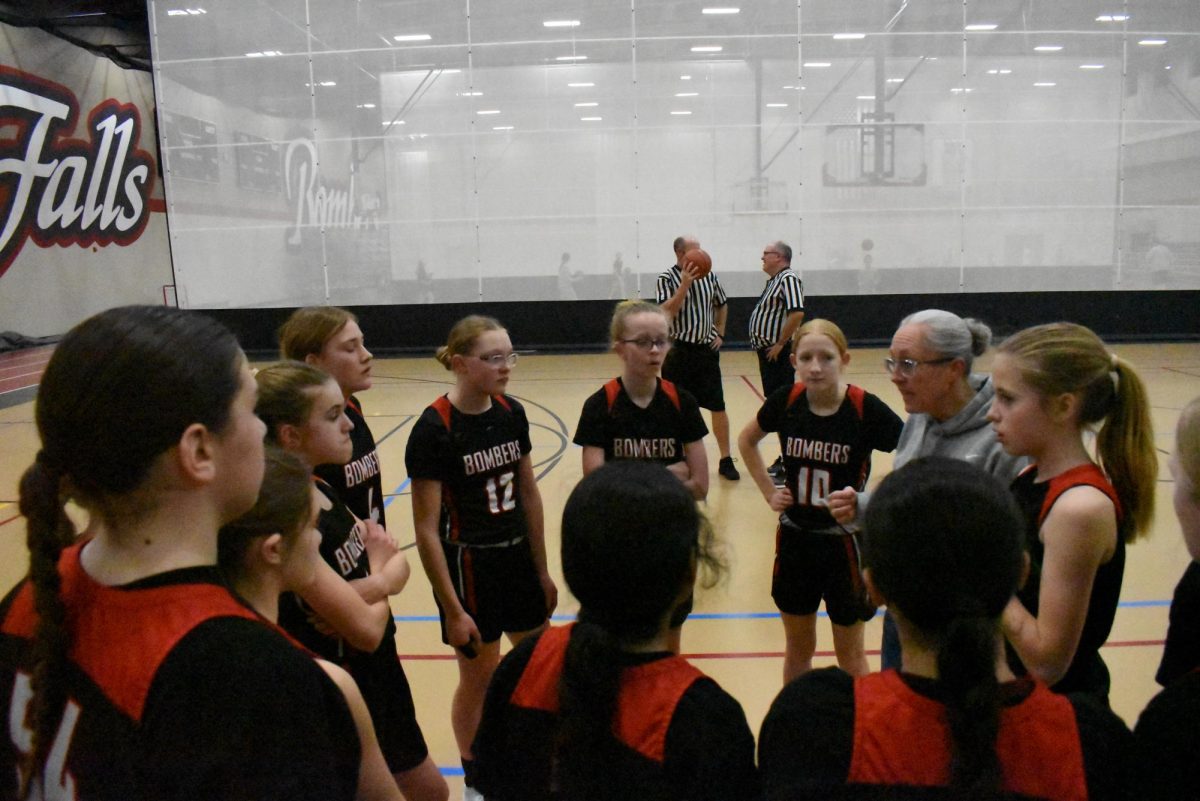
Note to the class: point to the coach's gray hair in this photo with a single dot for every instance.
(951, 335)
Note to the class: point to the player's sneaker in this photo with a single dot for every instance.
(727, 470)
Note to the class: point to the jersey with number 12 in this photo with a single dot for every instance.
(475, 457)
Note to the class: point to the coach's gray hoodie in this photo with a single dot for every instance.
(967, 435)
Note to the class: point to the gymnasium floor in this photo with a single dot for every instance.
(734, 635)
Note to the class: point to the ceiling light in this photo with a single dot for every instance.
(981, 26)
(1091, 66)
(866, 97)
(1152, 42)
(789, 87)
(561, 23)
(484, 111)
(777, 105)
(580, 85)
(590, 119)
(687, 94)
(849, 36)
(412, 37)
(502, 128)
(895, 80)
(451, 72)
(366, 105)
(1045, 84)
(386, 123)
(468, 94)
(999, 72)
(265, 53)
(1048, 48)
(586, 105)
(174, 12)
(962, 89)
(817, 64)
(1112, 18)
(680, 113)
(720, 10)
(685, 77)
(707, 49)
(570, 58)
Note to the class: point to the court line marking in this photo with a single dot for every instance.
(753, 388)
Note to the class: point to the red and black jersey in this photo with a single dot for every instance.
(677, 734)
(1087, 672)
(824, 453)
(359, 482)
(175, 690)
(886, 736)
(475, 457)
(612, 421)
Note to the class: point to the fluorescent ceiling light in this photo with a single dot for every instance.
(570, 58)
(1112, 18)
(1048, 48)
(707, 49)
(366, 105)
(680, 113)
(502, 128)
(171, 12)
(484, 111)
(687, 94)
(1091, 66)
(451, 72)
(777, 105)
(468, 94)
(818, 64)
(1045, 84)
(789, 87)
(390, 122)
(981, 26)
(327, 83)
(849, 36)
(590, 119)
(561, 23)
(866, 97)
(999, 72)
(720, 10)
(1152, 42)
(895, 80)
(962, 89)
(685, 77)
(265, 53)
(591, 104)
(412, 37)
(580, 85)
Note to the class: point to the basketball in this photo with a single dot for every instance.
(701, 260)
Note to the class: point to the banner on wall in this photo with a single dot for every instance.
(81, 227)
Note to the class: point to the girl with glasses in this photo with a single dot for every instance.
(478, 515)
(128, 668)
(827, 430)
(343, 614)
(640, 415)
(603, 708)
(1053, 382)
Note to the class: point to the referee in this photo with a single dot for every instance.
(779, 311)
(697, 309)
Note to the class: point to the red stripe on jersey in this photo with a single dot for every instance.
(1085, 475)
(442, 407)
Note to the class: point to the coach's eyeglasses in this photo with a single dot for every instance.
(498, 359)
(647, 344)
(908, 367)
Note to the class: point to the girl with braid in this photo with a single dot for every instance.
(944, 550)
(1053, 382)
(603, 709)
(128, 668)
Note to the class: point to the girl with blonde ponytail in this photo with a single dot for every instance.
(1053, 382)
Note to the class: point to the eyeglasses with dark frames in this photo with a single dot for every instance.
(908, 367)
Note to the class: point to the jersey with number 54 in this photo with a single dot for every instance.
(475, 457)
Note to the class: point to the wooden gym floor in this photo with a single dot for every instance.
(734, 635)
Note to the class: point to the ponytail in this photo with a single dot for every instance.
(966, 663)
(1125, 445)
(587, 698)
(47, 532)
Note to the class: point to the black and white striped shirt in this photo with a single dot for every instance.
(783, 294)
(694, 322)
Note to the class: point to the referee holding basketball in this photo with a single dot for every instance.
(696, 305)
(779, 311)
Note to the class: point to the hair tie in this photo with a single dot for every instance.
(1113, 360)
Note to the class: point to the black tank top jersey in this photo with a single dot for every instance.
(342, 549)
(1087, 671)
(475, 458)
(826, 453)
(359, 482)
(626, 431)
(175, 690)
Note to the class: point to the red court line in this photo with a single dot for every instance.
(753, 388)
(9, 520)
(779, 654)
(18, 359)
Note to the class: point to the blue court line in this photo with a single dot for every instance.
(451, 771)
(396, 493)
(734, 615)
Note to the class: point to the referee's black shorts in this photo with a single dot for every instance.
(696, 368)
(775, 374)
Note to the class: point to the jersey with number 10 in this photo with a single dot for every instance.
(823, 453)
(475, 457)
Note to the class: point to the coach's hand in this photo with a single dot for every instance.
(843, 505)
